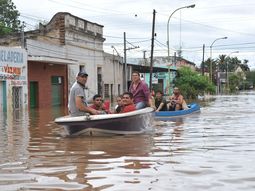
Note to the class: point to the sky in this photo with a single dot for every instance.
(189, 28)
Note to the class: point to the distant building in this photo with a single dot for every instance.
(163, 80)
(163, 61)
(239, 71)
(223, 77)
(112, 84)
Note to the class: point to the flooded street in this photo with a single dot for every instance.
(213, 150)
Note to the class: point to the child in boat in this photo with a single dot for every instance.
(160, 102)
(98, 104)
(127, 102)
(117, 108)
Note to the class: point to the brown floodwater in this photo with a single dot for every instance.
(213, 150)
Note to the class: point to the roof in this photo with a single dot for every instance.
(146, 69)
(67, 13)
(51, 60)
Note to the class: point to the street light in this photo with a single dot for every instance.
(227, 77)
(168, 44)
(211, 55)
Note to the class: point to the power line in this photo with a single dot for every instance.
(226, 45)
(118, 37)
(61, 53)
(103, 11)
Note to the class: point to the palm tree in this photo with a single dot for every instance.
(234, 62)
(221, 61)
(207, 65)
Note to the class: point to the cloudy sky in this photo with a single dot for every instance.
(189, 28)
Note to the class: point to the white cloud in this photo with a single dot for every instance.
(210, 19)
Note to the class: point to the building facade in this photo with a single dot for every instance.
(113, 79)
(13, 79)
(65, 46)
(163, 80)
(56, 52)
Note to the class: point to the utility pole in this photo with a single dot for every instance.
(203, 61)
(152, 48)
(125, 65)
(175, 59)
(144, 54)
(22, 35)
(119, 60)
(144, 58)
(125, 61)
(114, 74)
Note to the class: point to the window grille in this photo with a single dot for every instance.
(16, 97)
(106, 91)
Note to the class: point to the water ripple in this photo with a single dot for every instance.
(213, 150)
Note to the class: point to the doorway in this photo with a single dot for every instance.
(3, 97)
(57, 90)
(33, 94)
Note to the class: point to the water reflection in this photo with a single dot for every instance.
(85, 160)
(213, 150)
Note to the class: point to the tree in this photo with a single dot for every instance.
(8, 17)
(222, 62)
(250, 78)
(233, 63)
(192, 83)
(245, 66)
(207, 64)
(233, 83)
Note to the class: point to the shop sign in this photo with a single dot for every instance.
(11, 56)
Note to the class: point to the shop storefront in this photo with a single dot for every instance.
(13, 79)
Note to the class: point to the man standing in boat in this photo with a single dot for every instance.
(140, 91)
(77, 104)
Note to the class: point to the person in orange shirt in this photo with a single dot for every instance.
(127, 102)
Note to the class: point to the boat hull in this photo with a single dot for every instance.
(135, 122)
(165, 115)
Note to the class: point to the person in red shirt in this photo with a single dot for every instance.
(127, 102)
(98, 104)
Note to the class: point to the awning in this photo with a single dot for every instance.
(52, 60)
(4, 75)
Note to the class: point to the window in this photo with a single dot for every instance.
(106, 91)
(118, 89)
(82, 68)
(99, 80)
